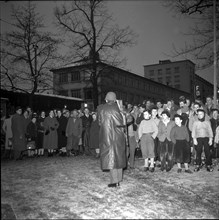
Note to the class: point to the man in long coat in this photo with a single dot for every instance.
(73, 133)
(50, 140)
(112, 139)
(18, 133)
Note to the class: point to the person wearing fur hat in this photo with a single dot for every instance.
(202, 137)
(112, 140)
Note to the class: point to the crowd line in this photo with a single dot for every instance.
(167, 133)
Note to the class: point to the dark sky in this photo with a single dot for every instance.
(158, 29)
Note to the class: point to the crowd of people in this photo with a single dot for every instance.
(57, 131)
(167, 133)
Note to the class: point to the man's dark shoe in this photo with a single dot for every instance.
(113, 184)
(152, 169)
(168, 169)
(209, 169)
(146, 169)
(197, 169)
(179, 170)
(188, 171)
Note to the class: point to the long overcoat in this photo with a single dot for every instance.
(18, 128)
(50, 140)
(62, 139)
(94, 135)
(111, 137)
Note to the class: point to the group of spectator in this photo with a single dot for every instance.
(63, 132)
(170, 133)
(167, 133)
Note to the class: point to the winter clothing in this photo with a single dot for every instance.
(111, 137)
(18, 132)
(50, 136)
(73, 132)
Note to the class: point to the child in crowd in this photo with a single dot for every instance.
(154, 116)
(147, 132)
(166, 145)
(202, 136)
(216, 143)
(180, 137)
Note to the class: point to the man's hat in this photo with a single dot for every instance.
(110, 96)
(17, 108)
(200, 110)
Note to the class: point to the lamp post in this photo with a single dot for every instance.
(215, 54)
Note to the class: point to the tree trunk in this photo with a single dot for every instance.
(31, 97)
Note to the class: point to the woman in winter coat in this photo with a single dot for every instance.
(112, 139)
(50, 136)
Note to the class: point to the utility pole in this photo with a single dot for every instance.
(215, 54)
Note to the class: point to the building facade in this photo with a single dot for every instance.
(175, 74)
(74, 81)
(180, 75)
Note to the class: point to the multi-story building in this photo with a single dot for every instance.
(75, 81)
(180, 75)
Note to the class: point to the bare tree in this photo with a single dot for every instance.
(28, 52)
(201, 47)
(93, 36)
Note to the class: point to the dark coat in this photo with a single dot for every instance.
(40, 132)
(94, 135)
(74, 128)
(50, 140)
(111, 137)
(18, 132)
(86, 123)
(31, 131)
(62, 139)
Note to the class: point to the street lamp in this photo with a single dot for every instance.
(215, 53)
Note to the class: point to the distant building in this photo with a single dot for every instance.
(180, 75)
(74, 81)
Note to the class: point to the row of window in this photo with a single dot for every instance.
(75, 76)
(167, 79)
(77, 93)
(161, 71)
(120, 79)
